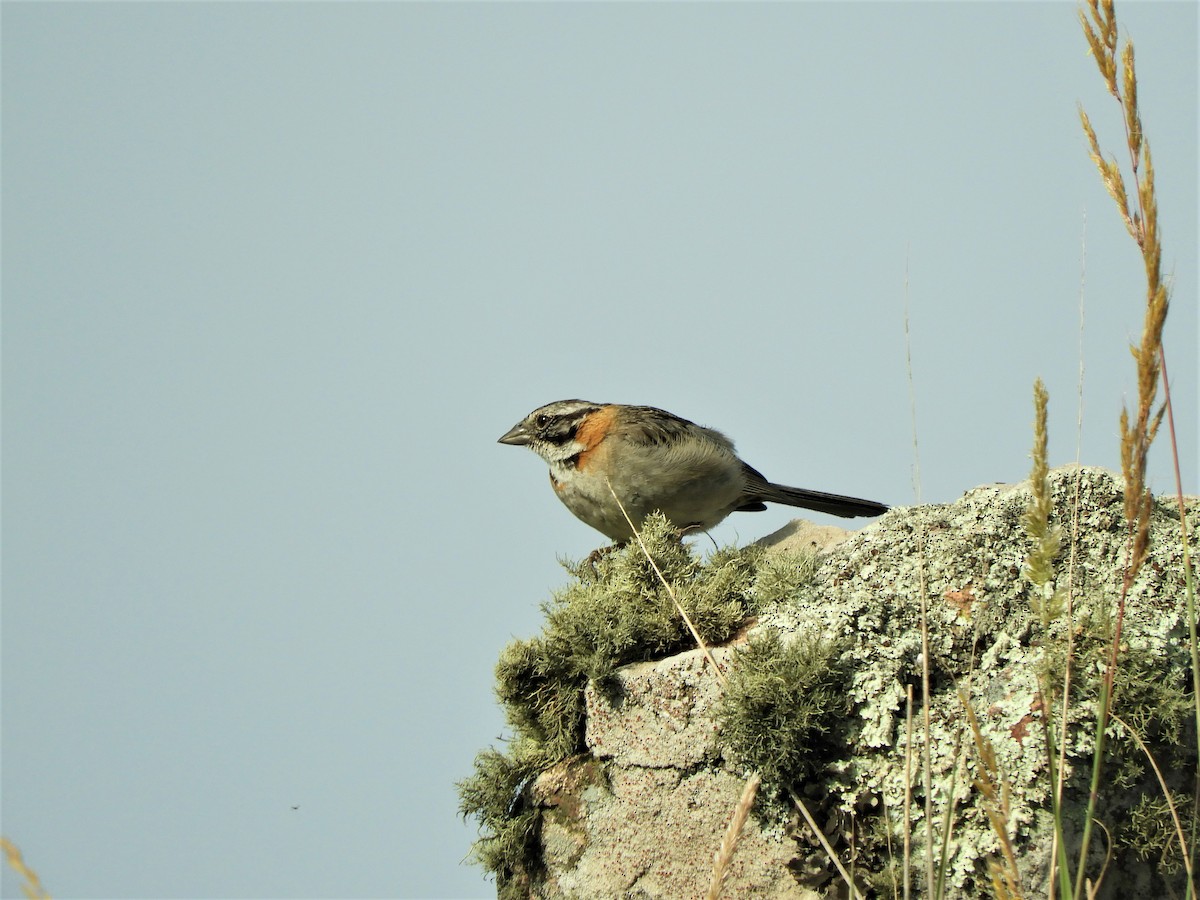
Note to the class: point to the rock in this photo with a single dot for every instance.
(641, 811)
(637, 815)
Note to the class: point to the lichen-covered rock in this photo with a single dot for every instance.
(989, 651)
(641, 807)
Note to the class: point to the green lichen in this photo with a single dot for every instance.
(1151, 831)
(783, 710)
(615, 611)
(779, 576)
(508, 845)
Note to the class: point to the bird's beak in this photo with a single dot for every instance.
(518, 436)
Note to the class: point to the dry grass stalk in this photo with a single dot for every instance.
(855, 893)
(926, 703)
(930, 874)
(993, 787)
(908, 764)
(1057, 848)
(1093, 884)
(1139, 430)
(1039, 565)
(32, 888)
(724, 855)
(1162, 783)
(1039, 570)
(887, 836)
(670, 592)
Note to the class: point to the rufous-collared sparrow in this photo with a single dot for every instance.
(654, 460)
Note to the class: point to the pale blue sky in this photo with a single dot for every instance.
(276, 277)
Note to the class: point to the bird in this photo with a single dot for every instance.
(654, 460)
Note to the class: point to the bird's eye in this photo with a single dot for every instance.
(541, 420)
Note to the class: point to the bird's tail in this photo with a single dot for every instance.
(834, 504)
